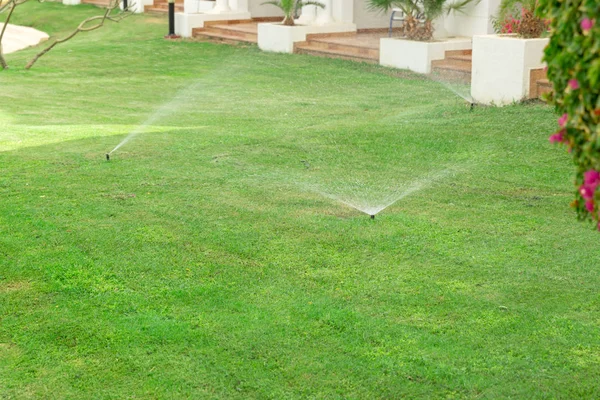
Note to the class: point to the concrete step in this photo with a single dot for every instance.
(98, 3)
(228, 22)
(449, 72)
(163, 8)
(223, 37)
(310, 49)
(544, 86)
(461, 57)
(242, 28)
(350, 50)
(454, 62)
(453, 53)
(230, 33)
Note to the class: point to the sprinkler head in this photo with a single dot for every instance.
(107, 156)
(471, 106)
(372, 216)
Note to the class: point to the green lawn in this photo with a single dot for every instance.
(210, 258)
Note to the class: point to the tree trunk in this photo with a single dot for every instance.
(288, 20)
(3, 63)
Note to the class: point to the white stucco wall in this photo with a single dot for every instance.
(502, 66)
(367, 19)
(260, 11)
(473, 20)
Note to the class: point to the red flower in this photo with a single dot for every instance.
(592, 178)
(589, 205)
(558, 137)
(586, 192)
(586, 25)
(574, 84)
(563, 120)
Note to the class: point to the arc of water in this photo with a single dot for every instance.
(389, 200)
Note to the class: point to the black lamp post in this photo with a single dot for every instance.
(125, 5)
(172, 34)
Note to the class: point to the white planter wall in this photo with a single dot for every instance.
(473, 20)
(501, 67)
(417, 56)
(281, 38)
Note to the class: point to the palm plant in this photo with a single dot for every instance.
(291, 8)
(419, 14)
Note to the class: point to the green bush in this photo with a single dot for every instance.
(573, 57)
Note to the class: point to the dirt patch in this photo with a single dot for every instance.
(10, 287)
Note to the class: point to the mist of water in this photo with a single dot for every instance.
(453, 82)
(183, 96)
(373, 204)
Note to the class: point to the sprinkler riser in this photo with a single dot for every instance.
(107, 156)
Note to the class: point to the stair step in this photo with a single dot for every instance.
(162, 8)
(451, 66)
(462, 57)
(452, 74)
(544, 83)
(230, 33)
(544, 86)
(453, 63)
(228, 22)
(236, 28)
(222, 37)
(99, 3)
(452, 53)
(347, 49)
(317, 51)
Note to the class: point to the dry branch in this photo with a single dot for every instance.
(10, 5)
(87, 26)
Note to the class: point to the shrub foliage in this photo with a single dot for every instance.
(573, 57)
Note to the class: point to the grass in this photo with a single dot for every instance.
(202, 262)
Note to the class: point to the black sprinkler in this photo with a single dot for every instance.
(372, 216)
(107, 156)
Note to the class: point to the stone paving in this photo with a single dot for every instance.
(20, 37)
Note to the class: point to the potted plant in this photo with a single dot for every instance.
(290, 8)
(506, 66)
(416, 49)
(280, 37)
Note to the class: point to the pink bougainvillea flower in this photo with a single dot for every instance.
(558, 137)
(586, 24)
(563, 120)
(574, 84)
(589, 205)
(586, 192)
(592, 178)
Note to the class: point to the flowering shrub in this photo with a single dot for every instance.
(573, 57)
